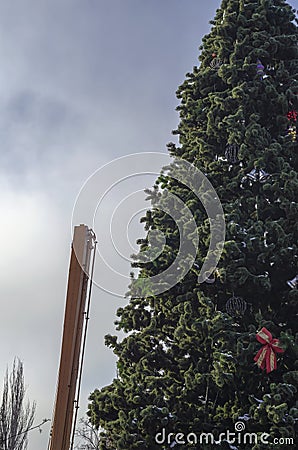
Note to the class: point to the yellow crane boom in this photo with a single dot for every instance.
(78, 284)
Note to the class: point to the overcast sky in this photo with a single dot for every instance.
(82, 82)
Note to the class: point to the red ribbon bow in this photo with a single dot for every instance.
(266, 358)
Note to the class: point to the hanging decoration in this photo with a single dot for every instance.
(255, 176)
(236, 306)
(292, 115)
(266, 358)
(231, 153)
(270, 68)
(260, 69)
(216, 62)
(293, 283)
(292, 131)
(258, 175)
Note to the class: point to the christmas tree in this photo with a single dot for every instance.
(209, 357)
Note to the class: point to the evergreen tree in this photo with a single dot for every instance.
(187, 362)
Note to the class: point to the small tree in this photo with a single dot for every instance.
(16, 417)
(87, 435)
